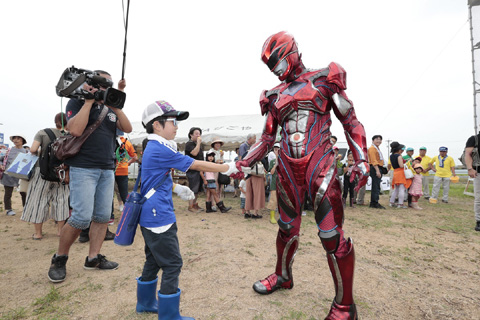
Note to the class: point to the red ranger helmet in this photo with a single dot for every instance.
(280, 54)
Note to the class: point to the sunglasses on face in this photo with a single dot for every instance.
(174, 120)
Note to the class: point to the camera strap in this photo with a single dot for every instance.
(74, 85)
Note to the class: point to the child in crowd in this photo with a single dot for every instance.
(348, 187)
(399, 183)
(211, 188)
(243, 194)
(157, 219)
(416, 187)
(338, 160)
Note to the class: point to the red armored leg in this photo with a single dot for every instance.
(342, 269)
(282, 278)
(287, 237)
(340, 252)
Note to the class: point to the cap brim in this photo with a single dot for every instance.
(180, 115)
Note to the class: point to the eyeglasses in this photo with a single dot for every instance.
(174, 120)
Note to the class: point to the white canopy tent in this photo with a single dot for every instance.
(232, 130)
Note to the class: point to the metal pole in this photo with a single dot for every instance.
(473, 72)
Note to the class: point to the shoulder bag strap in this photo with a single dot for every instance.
(99, 120)
(89, 130)
(50, 134)
(135, 187)
(152, 191)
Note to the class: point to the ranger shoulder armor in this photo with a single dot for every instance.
(337, 75)
(265, 100)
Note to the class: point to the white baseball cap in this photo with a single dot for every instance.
(162, 108)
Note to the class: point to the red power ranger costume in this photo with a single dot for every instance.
(301, 106)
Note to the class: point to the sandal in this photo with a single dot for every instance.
(35, 238)
(257, 216)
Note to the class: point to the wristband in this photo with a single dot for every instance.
(469, 169)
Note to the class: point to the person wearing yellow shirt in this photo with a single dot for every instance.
(444, 167)
(425, 175)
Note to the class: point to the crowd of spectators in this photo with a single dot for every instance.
(403, 187)
(256, 189)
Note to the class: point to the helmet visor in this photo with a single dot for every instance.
(281, 68)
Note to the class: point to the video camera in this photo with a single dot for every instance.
(71, 84)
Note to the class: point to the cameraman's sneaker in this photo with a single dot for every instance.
(100, 262)
(109, 235)
(58, 269)
(83, 238)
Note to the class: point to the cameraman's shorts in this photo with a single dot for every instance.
(91, 196)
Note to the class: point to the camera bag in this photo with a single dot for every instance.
(67, 146)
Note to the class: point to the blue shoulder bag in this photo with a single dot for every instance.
(127, 227)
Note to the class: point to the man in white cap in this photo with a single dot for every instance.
(444, 167)
(158, 220)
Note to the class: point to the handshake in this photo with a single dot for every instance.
(237, 169)
(232, 168)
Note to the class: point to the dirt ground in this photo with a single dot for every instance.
(409, 265)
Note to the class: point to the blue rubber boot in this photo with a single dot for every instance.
(168, 307)
(147, 296)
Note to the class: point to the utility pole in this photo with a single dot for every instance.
(475, 45)
(388, 148)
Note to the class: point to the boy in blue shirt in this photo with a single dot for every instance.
(157, 220)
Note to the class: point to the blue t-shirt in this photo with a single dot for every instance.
(158, 159)
(243, 151)
(98, 151)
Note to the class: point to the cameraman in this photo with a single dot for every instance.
(473, 172)
(91, 179)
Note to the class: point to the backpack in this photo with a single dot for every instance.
(48, 162)
(475, 155)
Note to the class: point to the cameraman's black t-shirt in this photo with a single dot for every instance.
(471, 144)
(98, 151)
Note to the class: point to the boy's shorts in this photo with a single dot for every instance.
(242, 203)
